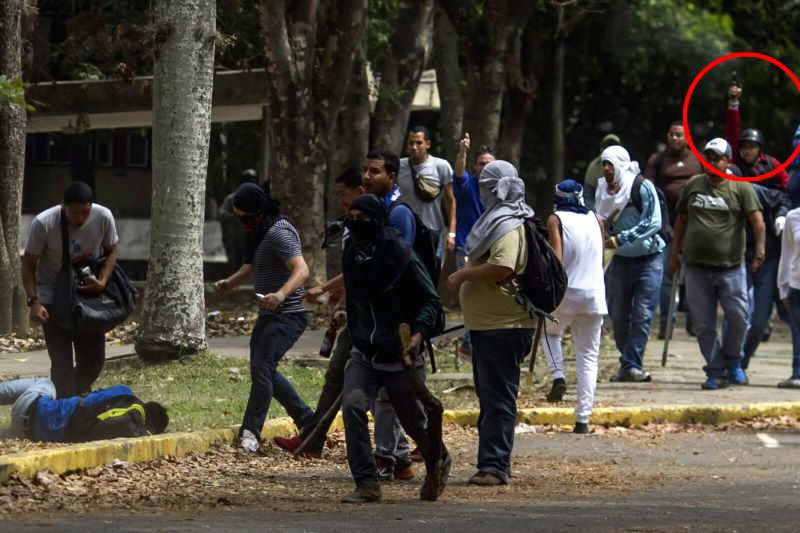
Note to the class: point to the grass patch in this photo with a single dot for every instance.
(205, 391)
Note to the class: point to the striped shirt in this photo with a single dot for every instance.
(280, 243)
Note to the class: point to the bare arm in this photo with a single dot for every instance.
(450, 207)
(38, 312)
(486, 272)
(681, 225)
(461, 158)
(554, 235)
(756, 220)
(245, 273)
(298, 274)
(98, 283)
(333, 285)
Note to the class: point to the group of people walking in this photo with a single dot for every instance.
(734, 244)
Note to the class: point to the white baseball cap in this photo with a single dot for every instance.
(719, 146)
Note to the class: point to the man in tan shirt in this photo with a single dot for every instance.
(500, 329)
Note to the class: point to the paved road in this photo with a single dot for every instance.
(707, 482)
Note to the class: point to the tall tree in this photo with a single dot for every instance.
(12, 158)
(409, 48)
(310, 49)
(173, 316)
(448, 82)
(486, 32)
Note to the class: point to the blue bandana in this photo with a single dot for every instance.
(569, 197)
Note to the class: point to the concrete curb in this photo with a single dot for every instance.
(89, 455)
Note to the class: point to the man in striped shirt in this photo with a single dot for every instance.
(274, 260)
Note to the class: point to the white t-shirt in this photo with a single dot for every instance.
(85, 242)
(582, 257)
(438, 172)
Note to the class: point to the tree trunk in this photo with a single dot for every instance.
(486, 42)
(12, 165)
(557, 110)
(406, 57)
(173, 314)
(448, 81)
(306, 93)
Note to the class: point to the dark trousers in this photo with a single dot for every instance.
(334, 381)
(90, 354)
(273, 335)
(496, 357)
(361, 383)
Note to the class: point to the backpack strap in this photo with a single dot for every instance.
(636, 195)
(64, 240)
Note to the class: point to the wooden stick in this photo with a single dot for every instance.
(324, 421)
(536, 338)
(432, 448)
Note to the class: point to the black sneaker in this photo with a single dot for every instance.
(581, 428)
(385, 469)
(557, 390)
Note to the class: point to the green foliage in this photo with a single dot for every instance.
(12, 92)
(382, 14)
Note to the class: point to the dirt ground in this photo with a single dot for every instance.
(223, 479)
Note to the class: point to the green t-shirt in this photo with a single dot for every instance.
(717, 218)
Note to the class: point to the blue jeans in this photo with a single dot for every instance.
(496, 356)
(273, 335)
(705, 288)
(634, 288)
(762, 288)
(794, 315)
(21, 393)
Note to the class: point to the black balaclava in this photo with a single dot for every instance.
(374, 257)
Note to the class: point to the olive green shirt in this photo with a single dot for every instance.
(717, 220)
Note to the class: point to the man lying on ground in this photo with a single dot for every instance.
(102, 414)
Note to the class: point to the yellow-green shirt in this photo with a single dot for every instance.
(488, 306)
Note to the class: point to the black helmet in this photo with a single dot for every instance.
(249, 176)
(752, 135)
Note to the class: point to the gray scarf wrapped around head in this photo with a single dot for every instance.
(503, 196)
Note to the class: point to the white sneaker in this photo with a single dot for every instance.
(249, 441)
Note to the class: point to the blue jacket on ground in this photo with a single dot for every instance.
(638, 232)
(468, 205)
(52, 416)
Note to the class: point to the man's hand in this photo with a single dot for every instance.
(463, 144)
(450, 242)
(314, 294)
(612, 243)
(412, 351)
(780, 223)
(454, 281)
(223, 286)
(92, 285)
(39, 313)
(272, 301)
(734, 93)
(785, 303)
(675, 262)
(758, 260)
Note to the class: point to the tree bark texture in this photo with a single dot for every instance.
(12, 166)
(308, 71)
(448, 81)
(485, 41)
(557, 109)
(406, 57)
(173, 314)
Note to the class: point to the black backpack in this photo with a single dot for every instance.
(636, 201)
(426, 250)
(544, 280)
(110, 418)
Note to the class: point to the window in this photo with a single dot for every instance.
(138, 149)
(59, 151)
(40, 148)
(104, 151)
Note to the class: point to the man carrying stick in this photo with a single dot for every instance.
(386, 285)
